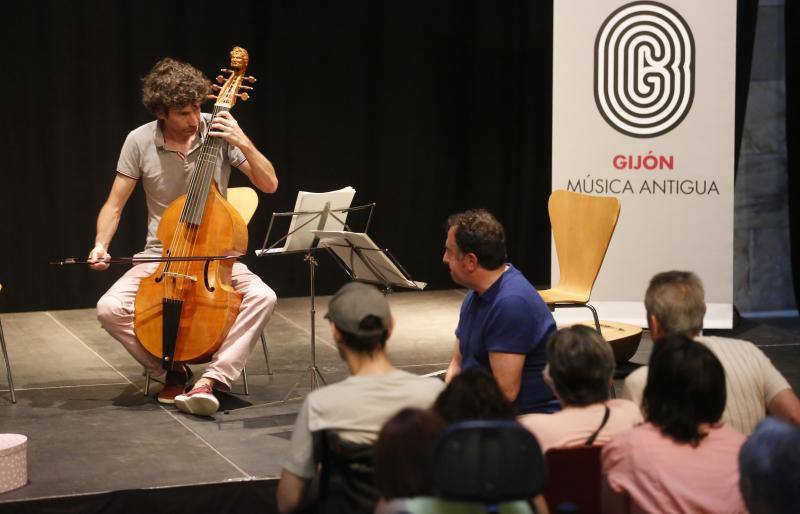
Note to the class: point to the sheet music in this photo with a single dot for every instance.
(340, 243)
(315, 202)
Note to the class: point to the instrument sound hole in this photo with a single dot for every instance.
(205, 277)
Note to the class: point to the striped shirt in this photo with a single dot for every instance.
(751, 381)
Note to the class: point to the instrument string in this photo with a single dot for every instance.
(171, 283)
(185, 224)
(204, 168)
(184, 240)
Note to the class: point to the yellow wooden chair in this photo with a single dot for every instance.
(245, 200)
(8, 362)
(582, 229)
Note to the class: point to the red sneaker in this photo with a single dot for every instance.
(200, 401)
(174, 384)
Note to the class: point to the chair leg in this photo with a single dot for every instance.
(8, 365)
(611, 392)
(146, 383)
(596, 319)
(244, 379)
(266, 357)
(266, 352)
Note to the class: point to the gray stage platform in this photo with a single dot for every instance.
(91, 430)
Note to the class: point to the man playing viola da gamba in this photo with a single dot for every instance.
(162, 155)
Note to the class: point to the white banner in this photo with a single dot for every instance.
(643, 109)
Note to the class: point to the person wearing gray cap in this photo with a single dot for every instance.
(355, 408)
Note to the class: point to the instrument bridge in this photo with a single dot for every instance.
(180, 275)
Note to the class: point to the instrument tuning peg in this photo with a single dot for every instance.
(211, 97)
(225, 70)
(220, 79)
(248, 88)
(243, 96)
(251, 79)
(215, 87)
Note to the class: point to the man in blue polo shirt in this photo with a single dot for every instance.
(504, 324)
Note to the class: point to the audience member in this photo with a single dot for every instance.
(503, 325)
(403, 452)
(356, 408)
(473, 394)
(675, 305)
(682, 460)
(769, 464)
(580, 370)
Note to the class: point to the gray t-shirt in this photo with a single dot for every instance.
(165, 174)
(356, 407)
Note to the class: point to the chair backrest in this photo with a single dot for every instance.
(245, 200)
(487, 461)
(582, 229)
(347, 475)
(574, 476)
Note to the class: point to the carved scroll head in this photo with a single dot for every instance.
(239, 58)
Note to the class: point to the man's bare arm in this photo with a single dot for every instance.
(293, 492)
(108, 220)
(786, 406)
(507, 370)
(454, 368)
(259, 170)
(257, 167)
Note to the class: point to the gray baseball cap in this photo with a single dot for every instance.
(354, 302)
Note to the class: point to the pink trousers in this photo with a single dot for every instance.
(115, 311)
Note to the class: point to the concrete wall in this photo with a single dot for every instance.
(762, 265)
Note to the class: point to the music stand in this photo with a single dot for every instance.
(362, 260)
(300, 239)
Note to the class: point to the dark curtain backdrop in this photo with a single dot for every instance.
(792, 21)
(426, 108)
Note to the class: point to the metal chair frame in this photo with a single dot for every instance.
(8, 362)
(8, 365)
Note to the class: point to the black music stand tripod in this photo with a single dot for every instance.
(311, 221)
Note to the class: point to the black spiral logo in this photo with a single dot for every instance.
(644, 69)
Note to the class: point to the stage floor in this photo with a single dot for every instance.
(91, 430)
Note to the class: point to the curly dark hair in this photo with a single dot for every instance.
(478, 232)
(173, 83)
